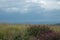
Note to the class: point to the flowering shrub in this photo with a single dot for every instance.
(49, 36)
(43, 33)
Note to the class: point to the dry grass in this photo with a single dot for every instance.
(55, 28)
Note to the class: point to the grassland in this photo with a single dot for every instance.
(26, 32)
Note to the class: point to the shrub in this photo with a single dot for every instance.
(42, 32)
(49, 36)
(18, 37)
(36, 30)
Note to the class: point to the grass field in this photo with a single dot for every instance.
(55, 28)
(27, 32)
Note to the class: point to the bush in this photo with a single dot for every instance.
(18, 37)
(42, 32)
(50, 36)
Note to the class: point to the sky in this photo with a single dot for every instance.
(30, 11)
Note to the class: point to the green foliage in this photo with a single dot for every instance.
(1, 35)
(36, 30)
(27, 32)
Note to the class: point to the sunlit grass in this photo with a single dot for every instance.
(55, 28)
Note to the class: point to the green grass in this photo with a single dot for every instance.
(18, 32)
(8, 32)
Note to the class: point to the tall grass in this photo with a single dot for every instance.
(28, 32)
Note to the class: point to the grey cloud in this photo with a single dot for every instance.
(22, 5)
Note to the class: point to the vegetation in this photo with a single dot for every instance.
(29, 32)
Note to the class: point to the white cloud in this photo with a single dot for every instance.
(13, 9)
(24, 5)
(42, 2)
(58, 2)
(35, 1)
(50, 5)
(28, 1)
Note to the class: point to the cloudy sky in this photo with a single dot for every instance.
(30, 11)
